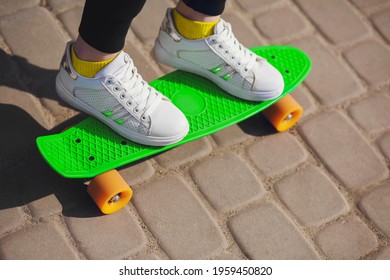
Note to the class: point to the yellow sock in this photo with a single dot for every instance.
(192, 29)
(87, 68)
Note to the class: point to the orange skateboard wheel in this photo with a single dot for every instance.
(284, 113)
(109, 191)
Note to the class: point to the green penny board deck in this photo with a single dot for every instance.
(90, 147)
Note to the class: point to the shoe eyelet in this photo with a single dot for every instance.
(128, 103)
(136, 110)
(246, 70)
(143, 118)
(233, 58)
(220, 47)
(226, 52)
(109, 82)
(122, 96)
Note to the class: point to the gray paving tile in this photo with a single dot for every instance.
(230, 136)
(265, 232)
(329, 80)
(369, 4)
(11, 6)
(289, 23)
(226, 182)
(255, 5)
(304, 98)
(11, 218)
(343, 150)
(384, 254)
(44, 241)
(32, 32)
(45, 206)
(346, 239)
(184, 153)
(241, 30)
(335, 19)
(138, 172)
(148, 32)
(371, 60)
(311, 197)
(106, 237)
(71, 20)
(372, 113)
(381, 21)
(384, 144)
(181, 225)
(376, 206)
(276, 153)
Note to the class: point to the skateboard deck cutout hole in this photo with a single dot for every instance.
(91, 158)
(189, 102)
(78, 140)
(124, 143)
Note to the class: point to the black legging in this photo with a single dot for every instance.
(104, 24)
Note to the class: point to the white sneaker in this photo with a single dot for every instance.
(120, 98)
(221, 59)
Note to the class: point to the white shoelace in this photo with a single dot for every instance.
(241, 54)
(132, 83)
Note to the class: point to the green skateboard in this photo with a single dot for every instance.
(91, 149)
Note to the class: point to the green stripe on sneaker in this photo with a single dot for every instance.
(108, 113)
(227, 77)
(216, 69)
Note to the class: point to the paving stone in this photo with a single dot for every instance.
(265, 232)
(329, 80)
(304, 98)
(376, 206)
(276, 153)
(146, 256)
(372, 62)
(153, 13)
(241, 30)
(31, 32)
(384, 254)
(335, 19)
(138, 172)
(343, 150)
(384, 144)
(227, 256)
(381, 21)
(311, 196)
(230, 136)
(254, 5)
(369, 4)
(44, 241)
(64, 4)
(45, 206)
(181, 225)
(184, 153)
(10, 219)
(118, 235)
(30, 104)
(372, 113)
(142, 62)
(11, 6)
(226, 182)
(289, 23)
(71, 20)
(346, 239)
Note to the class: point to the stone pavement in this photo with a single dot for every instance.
(319, 191)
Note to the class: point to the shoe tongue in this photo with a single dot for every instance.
(114, 66)
(219, 27)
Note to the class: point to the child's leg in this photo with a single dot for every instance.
(102, 30)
